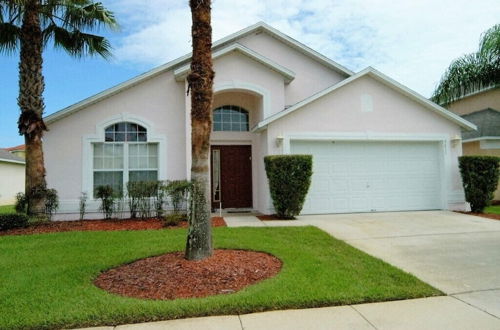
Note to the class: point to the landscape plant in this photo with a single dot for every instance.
(13, 220)
(289, 179)
(107, 197)
(51, 203)
(479, 179)
(83, 205)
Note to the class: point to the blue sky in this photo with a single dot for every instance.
(411, 41)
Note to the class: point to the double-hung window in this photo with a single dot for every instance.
(125, 155)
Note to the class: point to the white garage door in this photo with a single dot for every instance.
(372, 176)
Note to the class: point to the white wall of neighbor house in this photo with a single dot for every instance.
(11, 181)
(310, 75)
(389, 113)
(159, 101)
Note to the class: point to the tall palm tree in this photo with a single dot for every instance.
(200, 80)
(29, 25)
(472, 72)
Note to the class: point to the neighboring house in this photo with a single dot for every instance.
(11, 176)
(19, 151)
(377, 145)
(482, 109)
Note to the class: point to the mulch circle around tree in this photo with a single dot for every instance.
(483, 215)
(170, 276)
(101, 225)
(270, 217)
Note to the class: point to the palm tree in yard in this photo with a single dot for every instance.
(29, 25)
(472, 72)
(200, 80)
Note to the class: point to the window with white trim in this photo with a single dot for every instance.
(124, 156)
(230, 118)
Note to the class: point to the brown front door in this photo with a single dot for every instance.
(231, 176)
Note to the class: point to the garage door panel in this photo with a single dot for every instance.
(372, 176)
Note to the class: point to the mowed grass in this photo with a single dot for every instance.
(494, 209)
(46, 280)
(7, 209)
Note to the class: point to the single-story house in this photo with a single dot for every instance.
(376, 144)
(12, 173)
(19, 151)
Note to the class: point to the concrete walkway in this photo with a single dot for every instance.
(456, 253)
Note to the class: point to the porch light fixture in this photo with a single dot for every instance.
(455, 140)
(279, 140)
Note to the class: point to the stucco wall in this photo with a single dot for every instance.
(392, 113)
(474, 148)
(311, 76)
(481, 101)
(11, 182)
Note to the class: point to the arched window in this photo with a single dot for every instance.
(230, 118)
(125, 155)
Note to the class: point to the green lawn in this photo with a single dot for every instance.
(492, 209)
(46, 280)
(7, 209)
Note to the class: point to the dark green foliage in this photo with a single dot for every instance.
(289, 180)
(146, 197)
(173, 219)
(21, 203)
(83, 205)
(178, 191)
(13, 220)
(480, 179)
(107, 197)
(51, 203)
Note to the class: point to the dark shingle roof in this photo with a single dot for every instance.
(487, 121)
(6, 156)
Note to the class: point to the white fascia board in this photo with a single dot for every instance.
(170, 65)
(289, 75)
(482, 138)
(12, 161)
(382, 78)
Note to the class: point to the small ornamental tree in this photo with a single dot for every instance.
(480, 180)
(289, 179)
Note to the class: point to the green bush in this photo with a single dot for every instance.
(51, 203)
(21, 203)
(289, 179)
(173, 219)
(144, 197)
(107, 197)
(13, 220)
(480, 179)
(178, 191)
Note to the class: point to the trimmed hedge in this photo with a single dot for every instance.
(13, 220)
(289, 179)
(480, 180)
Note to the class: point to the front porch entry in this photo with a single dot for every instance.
(231, 176)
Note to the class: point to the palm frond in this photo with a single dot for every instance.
(9, 37)
(77, 43)
(490, 41)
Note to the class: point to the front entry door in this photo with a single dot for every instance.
(231, 176)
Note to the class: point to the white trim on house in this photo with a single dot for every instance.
(98, 137)
(230, 85)
(289, 75)
(258, 27)
(482, 138)
(382, 78)
(12, 161)
(443, 140)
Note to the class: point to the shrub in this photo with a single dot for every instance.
(83, 205)
(13, 220)
(480, 179)
(21, 203)
(289, 179)
(173, 219)
(178, 191)
(51, 203)
(107, 197)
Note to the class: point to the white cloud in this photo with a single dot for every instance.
(412, 41)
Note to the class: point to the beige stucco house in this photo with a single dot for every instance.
(12, 168)
(482, 109)
(376, 145)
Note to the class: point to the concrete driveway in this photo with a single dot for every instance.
(456, 253)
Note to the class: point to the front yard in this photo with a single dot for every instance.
(47, 279)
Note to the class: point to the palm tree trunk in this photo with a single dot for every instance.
(30, 101)
(199, 240)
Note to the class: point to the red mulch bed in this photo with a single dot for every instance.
(484, 215)
(101, 225)
(170, 276)
(269, 217)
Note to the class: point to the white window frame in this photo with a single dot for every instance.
(98, 137)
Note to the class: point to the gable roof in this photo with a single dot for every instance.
(288, 74)
(369, 71)
(488, 124)
(16, 148)
(7, 157)
(258, 27)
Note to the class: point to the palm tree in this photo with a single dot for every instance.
(472, 72)
(200, 80)
(29, 25)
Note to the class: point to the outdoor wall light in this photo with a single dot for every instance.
(455, 140)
